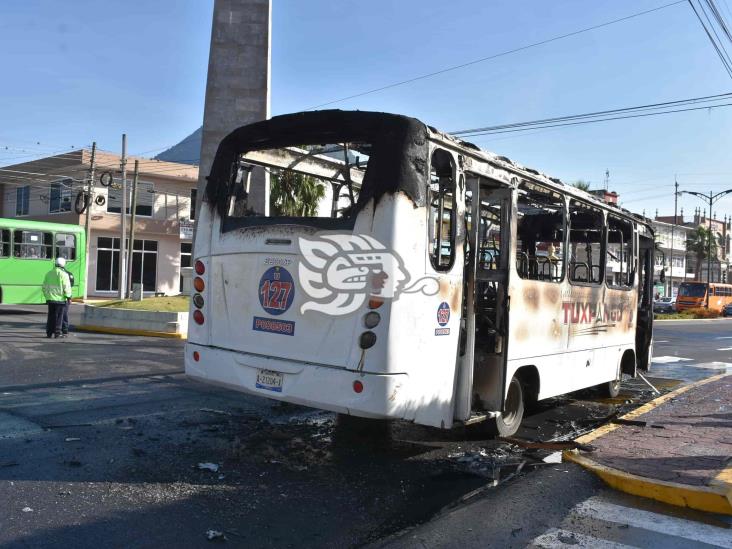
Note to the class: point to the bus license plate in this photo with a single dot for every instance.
(271, 381)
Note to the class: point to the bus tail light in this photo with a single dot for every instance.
(198, 300)
(198, 316)
(357, 386)
(371, 319)
(198, 284)
(200, 267)
(196, 356)
(375, 302)
(367, 340)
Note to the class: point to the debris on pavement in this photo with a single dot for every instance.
(213, 467)
(27, 510)
(554, 457)
(71, 439)
(215, 535)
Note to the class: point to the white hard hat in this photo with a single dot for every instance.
(60, 261)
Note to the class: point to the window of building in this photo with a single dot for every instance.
(186, 249)
(144, 264)
(33, 245)
(620, 265)
(442, 210)
(66, 246)
(107, 264)
(4, 242)
(540, 233)
(586, 243)
(60, 196)
(145, 198)
(22, 200)
(194, 195)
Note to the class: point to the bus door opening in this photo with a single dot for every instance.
(481, 364)
(644, 322)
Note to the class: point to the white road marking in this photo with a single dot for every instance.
(725, 349)
(663, 341)
(556, 537)
(723, 337)
(668, 359)
(596, 508)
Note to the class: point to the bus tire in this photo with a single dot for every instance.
(611, 389)
(509, 421)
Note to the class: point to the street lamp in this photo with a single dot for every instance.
(711, 198)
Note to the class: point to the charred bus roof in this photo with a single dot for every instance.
(400, 149)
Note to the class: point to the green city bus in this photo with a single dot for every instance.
(27, 252)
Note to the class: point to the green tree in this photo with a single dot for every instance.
(294, 194)
(698, 244)
(582, 185)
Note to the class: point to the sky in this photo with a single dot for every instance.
(83, 71)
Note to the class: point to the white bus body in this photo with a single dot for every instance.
(550, 289)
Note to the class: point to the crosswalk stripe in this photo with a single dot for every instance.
(557, 537)
(596, 508)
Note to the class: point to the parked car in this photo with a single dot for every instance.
(727, 311)
(665, 305)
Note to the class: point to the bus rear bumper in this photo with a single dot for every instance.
(382, 396)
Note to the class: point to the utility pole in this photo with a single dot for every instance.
(122, 279)
(133, 213)
(712, 198)
(87, 224)
(673, 226)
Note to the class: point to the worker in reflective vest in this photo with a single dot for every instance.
(57, 291)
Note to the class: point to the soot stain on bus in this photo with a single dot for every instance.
(399, 150)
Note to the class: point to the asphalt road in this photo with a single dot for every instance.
(101, 437)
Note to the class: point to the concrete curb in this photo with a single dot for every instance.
(125, 331)
(715, 498)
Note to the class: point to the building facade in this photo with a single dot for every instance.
(48, 189)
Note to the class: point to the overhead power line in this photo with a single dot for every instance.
(717, 44)
(496, 55)
(652, 109)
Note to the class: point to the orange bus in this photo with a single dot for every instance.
(694, 294)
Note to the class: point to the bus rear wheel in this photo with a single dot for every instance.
(509, 421)
(611, 388)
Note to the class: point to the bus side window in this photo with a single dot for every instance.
(620, 263)
(4, 243)
(33, 245)
(540, 233)
(442, 221)
(66, 246)
(586, 243)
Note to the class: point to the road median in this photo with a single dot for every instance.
(676, 449)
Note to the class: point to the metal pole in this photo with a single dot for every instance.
(122, 280)
(673, 226)
(709, 247)
(133, 213)
(87, 224)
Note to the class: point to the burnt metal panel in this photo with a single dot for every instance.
(399, 150)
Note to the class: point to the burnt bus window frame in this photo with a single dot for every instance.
(602, 242)
(563, 241)
(398, 160)
(629, 280)
(446, 168)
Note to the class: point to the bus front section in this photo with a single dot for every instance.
(309, 281)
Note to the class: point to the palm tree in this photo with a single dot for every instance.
(582, 185)
(698, 244)
(294, 194)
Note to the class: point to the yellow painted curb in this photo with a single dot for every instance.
(715, 498)
(126, 331)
